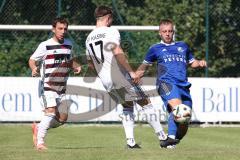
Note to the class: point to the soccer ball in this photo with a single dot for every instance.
(182, 113)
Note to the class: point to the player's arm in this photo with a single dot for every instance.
(198, 64)
(75, 65)
(141, 69)
(37, 57)
(195, 63)
(89, 61)
(122, 60)
(33, 65)
(150, 57)
(90, 64)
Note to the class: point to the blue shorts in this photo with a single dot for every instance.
(169, 91)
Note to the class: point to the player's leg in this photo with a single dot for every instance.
(152, 118)
(127, 117)
(136, 93)
(128, 124)
(49, 119)
(182, 131)
(171, 97)
(43, 126)
(172, 124)
(187, 100)
(171, 140)
(63, 105)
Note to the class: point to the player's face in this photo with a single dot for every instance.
(59, 31)
(166, 33)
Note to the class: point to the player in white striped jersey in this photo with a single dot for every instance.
(55, 57)
(107, 57)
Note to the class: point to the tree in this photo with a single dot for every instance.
(188, 15)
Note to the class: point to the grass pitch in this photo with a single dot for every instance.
(79, 142)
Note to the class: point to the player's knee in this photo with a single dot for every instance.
(62, 118)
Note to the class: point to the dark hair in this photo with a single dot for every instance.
(166, 21)
(60, 20)
(102, 11)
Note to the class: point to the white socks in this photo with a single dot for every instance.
(172, 136)
(128, 125)
(43, 126)
(161, 135)
(153, 119)
(47, 122)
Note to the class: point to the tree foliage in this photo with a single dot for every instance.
(189, 17)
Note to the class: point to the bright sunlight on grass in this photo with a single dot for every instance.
(81, 142)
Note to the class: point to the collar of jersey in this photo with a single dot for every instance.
(167, 43)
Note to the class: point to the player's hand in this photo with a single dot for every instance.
(202, 63)
(139, 74)
(35, 72)
(77, 70)
(91, 65)
(135, 78)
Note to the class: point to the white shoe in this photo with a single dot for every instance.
(171, 147)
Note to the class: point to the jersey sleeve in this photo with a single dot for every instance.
(39, 52)
(150, 56)
(73, 49)
(115, 37)
(190, 57)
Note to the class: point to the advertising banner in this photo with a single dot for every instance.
(214, 100)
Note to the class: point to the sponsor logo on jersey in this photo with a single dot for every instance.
(180, 49)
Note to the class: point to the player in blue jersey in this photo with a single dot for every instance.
(172, 59)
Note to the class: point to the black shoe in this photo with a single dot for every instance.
(136, 146)
(169, 142)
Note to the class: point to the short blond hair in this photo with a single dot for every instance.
(166, 21)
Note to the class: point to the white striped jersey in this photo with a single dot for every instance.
(55, 61)
(99, 44)
(115, 79)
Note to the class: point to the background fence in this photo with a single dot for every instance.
(210, 27)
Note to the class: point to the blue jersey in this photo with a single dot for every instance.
(172, 60)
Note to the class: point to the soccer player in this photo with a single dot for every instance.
(172, 59)
(107, 57)
(55, 56)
